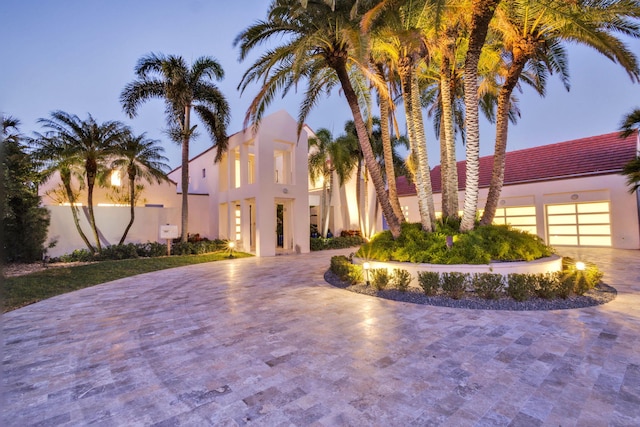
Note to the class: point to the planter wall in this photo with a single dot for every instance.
(540, 266)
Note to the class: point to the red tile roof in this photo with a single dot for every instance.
(596, 155)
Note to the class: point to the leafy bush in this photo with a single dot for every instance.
(488, 285)
(521, 286)
(454, 284)
(580, 281)
(78, 255)
(152, 249)
(321, 243)
(116, 252)
(379, 278)
(479, 246)
(342, 267)
(548, 285)
(400, 279)
(429, 281)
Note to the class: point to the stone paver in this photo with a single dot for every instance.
(265, 341)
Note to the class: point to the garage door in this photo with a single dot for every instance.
(520, 217)
(579, 224)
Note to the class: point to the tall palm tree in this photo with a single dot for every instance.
(320, 45)
(182, 88)
(398, 40)
(532, 34)
(141, 159)
(329, 157)
(85, 144)
(481, 14)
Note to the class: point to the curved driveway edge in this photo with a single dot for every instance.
(265, 341)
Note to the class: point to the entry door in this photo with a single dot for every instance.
(280, 225)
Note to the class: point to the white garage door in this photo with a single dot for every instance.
(520, 217)
(579, 224)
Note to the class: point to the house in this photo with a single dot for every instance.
(569, 193)
(260, 196)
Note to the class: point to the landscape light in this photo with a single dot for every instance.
(580, 266)
(366, 266)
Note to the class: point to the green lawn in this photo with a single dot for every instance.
(24, 290)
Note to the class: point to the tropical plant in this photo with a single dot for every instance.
(24, 221)
(322, 45)
(141, 159)
(328, 156)
(532, 34)
(630, 123)
(74, 144)
(182, 88)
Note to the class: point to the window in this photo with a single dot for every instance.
(116, 179)
(204, 173)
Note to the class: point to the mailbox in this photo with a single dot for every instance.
(169, 232)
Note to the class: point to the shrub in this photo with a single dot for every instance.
(341, 266)
(521, 286)
(580, 281)
(479, 246)
(400, 279)
(321, 243)
(429, 281)
(79, 255)
(548, 285)
(379, 278)
(454, 284)
(115, 252)
(488, 285)
(152, 249)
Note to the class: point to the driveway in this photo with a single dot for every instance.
(265, 341)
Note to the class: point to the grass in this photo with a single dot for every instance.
(28, 289)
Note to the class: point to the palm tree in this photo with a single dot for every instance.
(321, 45)
(532, 34)
(85, 144)
(398, 40)
(630, 124)
(182, 88)
(481, 13)
(329, 156)
(141, 159)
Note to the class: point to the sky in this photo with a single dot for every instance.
(77, 56)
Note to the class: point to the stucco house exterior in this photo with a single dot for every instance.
(569, 193)
(260, 196)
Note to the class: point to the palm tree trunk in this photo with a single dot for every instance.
(365, 213)
(186, 136)
(448, 157)
(365, 146)
(359, 198)
(91, 181)
(419, 179)
(327, 217)
(502, 129)
(482, 13)
(421, 144)
(132, 205)
(388, 152)
(66, 180)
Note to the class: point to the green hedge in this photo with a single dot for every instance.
(321, 243)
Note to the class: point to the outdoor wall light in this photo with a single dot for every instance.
(366, 266)
(580, 266)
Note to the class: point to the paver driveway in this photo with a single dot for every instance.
(265, 341)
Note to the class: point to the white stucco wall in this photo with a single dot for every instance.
(625, 229)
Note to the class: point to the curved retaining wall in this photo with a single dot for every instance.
(543, 265)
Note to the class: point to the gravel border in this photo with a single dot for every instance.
(601, 294)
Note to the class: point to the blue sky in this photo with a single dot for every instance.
(77, 55)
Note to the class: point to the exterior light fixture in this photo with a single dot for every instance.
(580, 266)
(366, 267)
(232, 246)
